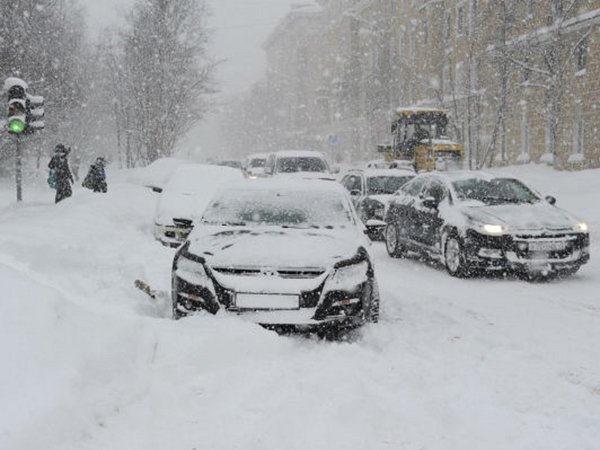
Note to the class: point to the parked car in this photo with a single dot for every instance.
(184, 197)
(371, 191)
(255, 165)
(288, 255)
(298, 164)
(475, 221)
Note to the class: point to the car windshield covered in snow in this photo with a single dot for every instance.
(385, 184)
(494, 191)
(301, 164)
(279, 207)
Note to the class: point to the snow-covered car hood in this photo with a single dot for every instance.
(179, 206)
(523, 217)
(273, 246)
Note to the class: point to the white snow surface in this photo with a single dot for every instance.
(88, 362)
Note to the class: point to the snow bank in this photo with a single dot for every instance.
(88, 362)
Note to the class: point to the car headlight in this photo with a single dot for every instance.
(493, 229)
(581, 226)
(190, 270)
(347, 278)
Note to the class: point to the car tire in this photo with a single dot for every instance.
(374, 311)
(454, 257)
(372, 314)
(392, 242)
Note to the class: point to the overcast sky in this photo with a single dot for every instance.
(240, 27)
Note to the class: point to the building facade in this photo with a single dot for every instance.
(520, 79)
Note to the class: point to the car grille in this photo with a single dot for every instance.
(553, 247)
(295, 273)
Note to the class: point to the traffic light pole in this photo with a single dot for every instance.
(18, 170)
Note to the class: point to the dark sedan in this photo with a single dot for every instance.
(473, 221)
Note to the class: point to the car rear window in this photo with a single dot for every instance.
(301, 164)
(386, 184)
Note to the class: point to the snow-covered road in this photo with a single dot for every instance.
(89, 363)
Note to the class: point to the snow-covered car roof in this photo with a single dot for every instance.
(418, 109)
(257, 156)
(194, 178)
(190, 188)
(299, 154)
(369, 173)
(463, 175)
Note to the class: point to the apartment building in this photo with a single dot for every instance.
(520, 79)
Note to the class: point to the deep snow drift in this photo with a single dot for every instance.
(89, 362)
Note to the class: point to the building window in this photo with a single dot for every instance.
(530, 8)
(447, 25)
(581, 53)
(413, 41)
(458, 78)
(549, 138)
(473, 17)
(460, 20)
(524, 135)
(446, 80)
(579, 129)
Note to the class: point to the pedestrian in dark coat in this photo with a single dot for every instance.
(60, 165)
(96, 177)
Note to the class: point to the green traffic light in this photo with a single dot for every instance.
(16, 126)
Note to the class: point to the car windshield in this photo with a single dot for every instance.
(279, 207)
(386, 184)
(495, 191)
(257, 162)
(301, 164)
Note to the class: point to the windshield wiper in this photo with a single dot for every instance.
(500, 199)
(301, 227)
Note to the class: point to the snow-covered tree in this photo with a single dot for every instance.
(165, 74)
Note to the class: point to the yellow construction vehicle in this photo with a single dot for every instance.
(419, 136)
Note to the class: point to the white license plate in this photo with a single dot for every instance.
(267, 301)
(547, 246)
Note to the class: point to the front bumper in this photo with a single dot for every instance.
(527, 252)
(318, 310)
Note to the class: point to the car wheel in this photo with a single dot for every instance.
(454, 258)
(372, 314)
(392, 243)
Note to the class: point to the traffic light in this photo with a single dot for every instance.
(34, 113)
(16, 105)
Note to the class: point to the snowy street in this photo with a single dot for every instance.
(90, 362)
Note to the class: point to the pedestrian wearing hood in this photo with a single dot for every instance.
(96, 176)
(60, 165)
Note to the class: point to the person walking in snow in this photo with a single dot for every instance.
(96, 177)
(60, 165)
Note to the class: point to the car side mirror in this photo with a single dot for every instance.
(430, 202)
(156, 189)
(355, 193)
(550, 199)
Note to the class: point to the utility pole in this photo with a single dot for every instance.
(18, 169)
